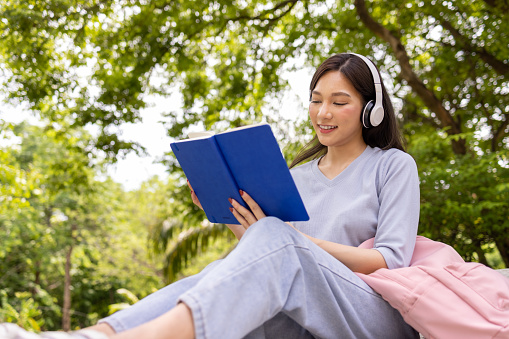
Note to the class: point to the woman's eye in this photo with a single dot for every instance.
(315, 101)
(340, 103)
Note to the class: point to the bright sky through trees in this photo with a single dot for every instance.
(133, 169)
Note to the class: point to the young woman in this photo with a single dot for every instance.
(297, 280)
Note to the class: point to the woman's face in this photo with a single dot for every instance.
(335, 110)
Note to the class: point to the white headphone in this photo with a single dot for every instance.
(373, 113)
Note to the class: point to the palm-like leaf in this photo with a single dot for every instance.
(181, 245)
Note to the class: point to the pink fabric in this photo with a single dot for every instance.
(442, 296)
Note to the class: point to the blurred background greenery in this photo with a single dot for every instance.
(75, 245)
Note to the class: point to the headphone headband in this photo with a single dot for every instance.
(375, 115)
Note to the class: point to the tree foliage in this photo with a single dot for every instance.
(464, 198)
(177, 231)
(67, 248)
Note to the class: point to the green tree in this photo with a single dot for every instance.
(66, 198)
(14, 188)
(464, 198)
(74, 237)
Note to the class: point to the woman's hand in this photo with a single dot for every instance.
(244, 215)
(238, 230)
(196, 201)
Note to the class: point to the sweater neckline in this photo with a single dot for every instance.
(338, 178)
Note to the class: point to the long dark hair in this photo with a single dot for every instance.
(385, 136)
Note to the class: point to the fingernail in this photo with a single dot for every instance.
(230, 200)
(231, 209)
(241, 192)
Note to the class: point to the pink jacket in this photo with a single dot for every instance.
(442, 296)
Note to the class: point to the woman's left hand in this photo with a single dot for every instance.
(242, 214)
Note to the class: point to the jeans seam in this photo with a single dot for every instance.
(318, 263)
(336, 274)
(258, 259)
(350, 282)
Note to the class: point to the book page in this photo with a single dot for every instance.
(206, 134)
(202, 134)
(244, 127)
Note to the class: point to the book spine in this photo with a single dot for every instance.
(236, 194)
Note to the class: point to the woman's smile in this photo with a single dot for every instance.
(327, 128)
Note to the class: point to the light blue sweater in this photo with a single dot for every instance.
(377, 195)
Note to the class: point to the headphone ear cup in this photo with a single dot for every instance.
(366, 113)
(376, 115)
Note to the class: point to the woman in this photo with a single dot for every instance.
(293, 281)
(298, 281)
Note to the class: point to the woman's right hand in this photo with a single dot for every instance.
(196, 201)
(238, 230)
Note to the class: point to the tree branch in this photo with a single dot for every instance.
(499, 5)
(499, 132)
(263, 15)
(407, 73)
(499, 66)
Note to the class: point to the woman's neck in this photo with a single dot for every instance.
(338, 159)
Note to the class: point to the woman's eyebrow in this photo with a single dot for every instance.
(338, 94)
(335, 94)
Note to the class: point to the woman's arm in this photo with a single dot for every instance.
(238, 230)
(398, 218)
(357, 259)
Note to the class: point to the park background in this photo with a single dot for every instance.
(84, 82)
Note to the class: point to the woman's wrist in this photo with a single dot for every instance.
(238, 230)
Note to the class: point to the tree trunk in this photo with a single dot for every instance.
(66, 309)
(37, 278)
(503, 248)
(407, 73)
(482, 257)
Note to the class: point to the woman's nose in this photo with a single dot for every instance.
(324, 112)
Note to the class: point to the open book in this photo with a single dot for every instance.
(246, 158)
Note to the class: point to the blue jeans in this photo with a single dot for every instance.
(275, 284)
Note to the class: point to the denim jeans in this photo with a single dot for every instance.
(275, 284)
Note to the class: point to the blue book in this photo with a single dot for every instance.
(246, 158)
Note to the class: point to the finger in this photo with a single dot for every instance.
(244, 212)
(194, 197)
(255, 208)
(189, 184)
(243, 222)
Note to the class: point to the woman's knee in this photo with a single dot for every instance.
(272, 228)
(267, 225)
